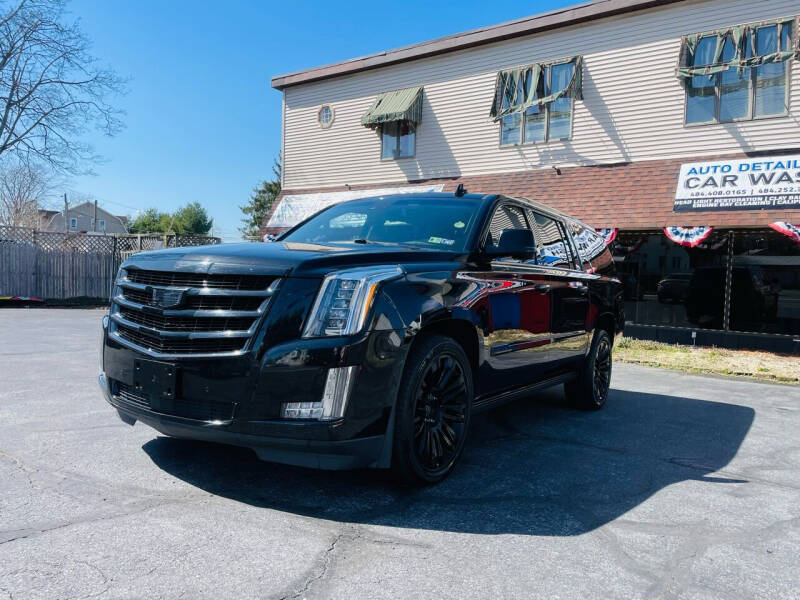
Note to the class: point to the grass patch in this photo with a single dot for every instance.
(765, 366)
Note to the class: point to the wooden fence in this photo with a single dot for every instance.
(68, 267)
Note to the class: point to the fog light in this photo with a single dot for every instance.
(334, 398)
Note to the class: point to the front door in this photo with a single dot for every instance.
(514, 310)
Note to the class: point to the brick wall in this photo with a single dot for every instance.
(630, 196)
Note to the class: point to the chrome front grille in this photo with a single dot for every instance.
(172, 314)
(199, 280)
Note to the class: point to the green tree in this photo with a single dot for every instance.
(261, 202)
(191, 219)
(150, 221)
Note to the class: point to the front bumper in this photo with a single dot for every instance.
(255, 385)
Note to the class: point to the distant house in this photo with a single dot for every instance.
(81, 218)
(44, 218)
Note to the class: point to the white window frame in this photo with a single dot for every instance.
(522, 141)
(101, 224)
(323, 124)
(73, 222)
(751, 95)
(397, 142)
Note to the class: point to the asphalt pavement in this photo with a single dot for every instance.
(682, 487)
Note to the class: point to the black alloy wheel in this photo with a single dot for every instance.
(589, 390)
(602, 370)
(434, 407)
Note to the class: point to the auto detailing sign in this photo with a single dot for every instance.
(749, 184)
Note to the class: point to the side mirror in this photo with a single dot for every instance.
(514, 243)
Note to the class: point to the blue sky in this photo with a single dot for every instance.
(202, 122)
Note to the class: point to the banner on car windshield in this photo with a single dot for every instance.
(747, 184)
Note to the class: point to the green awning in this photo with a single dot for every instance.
(518, 89)
(399, 105)
(745, 53)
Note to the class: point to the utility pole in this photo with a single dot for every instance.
(94, 221)
(66, 218)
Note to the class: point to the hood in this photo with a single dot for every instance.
(284, 258)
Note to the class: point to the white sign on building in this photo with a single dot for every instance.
(747, 184)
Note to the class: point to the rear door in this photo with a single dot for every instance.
(568, 288)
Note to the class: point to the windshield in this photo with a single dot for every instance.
(443, 223)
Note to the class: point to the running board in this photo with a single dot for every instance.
(495, 400)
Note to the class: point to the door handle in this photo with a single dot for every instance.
(542, 288)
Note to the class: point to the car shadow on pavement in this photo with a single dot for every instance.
(536, 466)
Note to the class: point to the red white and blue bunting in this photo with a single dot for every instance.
(787, 229)
(688, 236)
(609, 235)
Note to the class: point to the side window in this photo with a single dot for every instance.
(505, 217)
(594, 254)
(552, 249)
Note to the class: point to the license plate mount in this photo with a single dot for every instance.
(157, 381)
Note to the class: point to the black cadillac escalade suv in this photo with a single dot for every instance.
(367, 335)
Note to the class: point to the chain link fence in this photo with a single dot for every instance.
(73, 267)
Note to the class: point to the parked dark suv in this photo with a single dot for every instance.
(367, 335)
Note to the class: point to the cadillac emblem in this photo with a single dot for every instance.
(167, 297)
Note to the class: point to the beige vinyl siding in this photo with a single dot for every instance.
(623, 117)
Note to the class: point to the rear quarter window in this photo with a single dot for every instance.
(594, 254)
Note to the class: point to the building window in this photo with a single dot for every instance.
(325, 116)
(545, 122)
(738, 74)
(101, 225)
(73, 223)
(398, 139)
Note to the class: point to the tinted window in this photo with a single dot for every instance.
(551, 248)
(505, 217)
(594, 255)
(443, 223)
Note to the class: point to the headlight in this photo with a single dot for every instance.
(344, 300)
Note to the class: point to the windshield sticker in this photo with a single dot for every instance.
(440, 240)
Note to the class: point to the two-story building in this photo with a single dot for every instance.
(673, 125)
(81, 218)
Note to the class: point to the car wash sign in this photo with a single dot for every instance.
(749, 184)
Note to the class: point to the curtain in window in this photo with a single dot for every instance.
(521, 88)
(697, 58)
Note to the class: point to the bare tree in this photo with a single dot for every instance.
(23, 190)
(52, 90)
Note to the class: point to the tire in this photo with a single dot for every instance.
(589, 391)
(433, 410)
